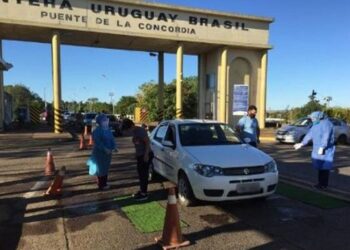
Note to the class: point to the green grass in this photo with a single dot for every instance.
(147, 217)
(307, 196)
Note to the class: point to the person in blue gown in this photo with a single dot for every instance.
(104, 144)
(322, 136)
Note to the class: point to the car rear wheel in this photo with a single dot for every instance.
(185, 192)
(342, 139)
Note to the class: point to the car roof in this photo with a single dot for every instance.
(191, 121)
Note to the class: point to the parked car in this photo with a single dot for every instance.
(208, 161)
(88, 117)
(72, 117)
(296, 132)
(65, 115)
(114, 125)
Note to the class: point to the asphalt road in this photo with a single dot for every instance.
(85, 218)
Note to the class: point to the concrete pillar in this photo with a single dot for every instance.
(202, 81)
(262, 90)
(179, 79)
(160, 86)
(2, 102)
(222, 86)
(56, 80)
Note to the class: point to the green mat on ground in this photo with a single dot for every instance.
(310, 197)
(147, 216)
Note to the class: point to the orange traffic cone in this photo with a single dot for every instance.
(49, 165)
(56, 186)
(82, 145)
(91, 142)
(172, 237)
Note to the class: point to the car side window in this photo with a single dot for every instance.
(335, 122)
(160, 134)
(171, 135)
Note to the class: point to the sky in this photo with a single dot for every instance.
(311, 50)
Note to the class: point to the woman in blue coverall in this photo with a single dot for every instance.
(322, 136)
(101, 157)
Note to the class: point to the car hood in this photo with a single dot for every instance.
(293, 128)
(241, 155)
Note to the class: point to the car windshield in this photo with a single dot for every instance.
(303, 122)
(199, 134)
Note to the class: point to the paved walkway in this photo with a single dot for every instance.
(85, 218)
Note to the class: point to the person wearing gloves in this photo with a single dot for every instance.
(101, 157)
(322, 136)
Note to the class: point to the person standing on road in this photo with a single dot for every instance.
(101, 157)
(322, 136)
(79, 124)
(141, 142)
(248, 127)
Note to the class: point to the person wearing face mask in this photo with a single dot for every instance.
(101, 157)
(322, 136)
(248, 127)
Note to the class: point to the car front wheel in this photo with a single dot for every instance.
(342, 139)
(185, 193)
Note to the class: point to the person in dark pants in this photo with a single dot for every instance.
(322, 136)
(248, 127)
(101, 157)
(142, 152)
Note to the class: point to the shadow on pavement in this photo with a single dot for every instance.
(12, 212)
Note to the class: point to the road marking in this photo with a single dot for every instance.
(37, 186)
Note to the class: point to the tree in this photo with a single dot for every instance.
(147, 97)
(312, 105)
(92, 101)
(23, 96)
(126, 105)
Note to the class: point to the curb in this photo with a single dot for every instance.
(267, 139)
(332, 192)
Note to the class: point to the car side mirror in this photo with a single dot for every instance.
(168, 144)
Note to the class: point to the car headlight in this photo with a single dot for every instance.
(271, 167)
(292, 132)
(207, 170)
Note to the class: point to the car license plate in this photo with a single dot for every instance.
(244, 188)
(280, 136)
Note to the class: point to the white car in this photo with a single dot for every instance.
(295, 132)
(209, 162)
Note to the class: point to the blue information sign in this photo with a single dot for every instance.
(240, 99)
